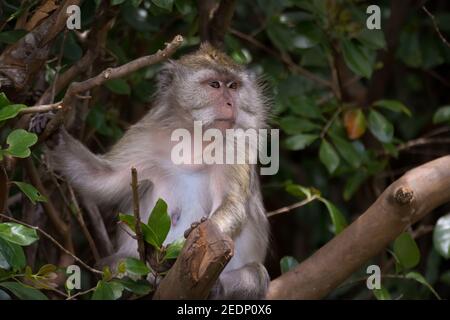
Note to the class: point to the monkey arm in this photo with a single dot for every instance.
(231, 215)
(95, 178)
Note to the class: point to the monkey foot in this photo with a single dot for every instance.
(193, 226)
(39, 122)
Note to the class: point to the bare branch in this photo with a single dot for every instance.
(204, 256)
(109, 74)
(403, 203)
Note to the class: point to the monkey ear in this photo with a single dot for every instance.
(167, 74)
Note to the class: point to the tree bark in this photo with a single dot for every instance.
(403, 203)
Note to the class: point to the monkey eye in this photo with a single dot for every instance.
(214, 84)
(233, 85)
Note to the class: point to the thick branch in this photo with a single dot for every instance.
(404, 202)
(204, 255)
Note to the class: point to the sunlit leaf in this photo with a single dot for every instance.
(11, 255)
(393, 105)
(19, 142)
(159, 221)
(174, 249)
(337, 218)
(107, 291)
(10, 111)
(17, 233)
(441, 236)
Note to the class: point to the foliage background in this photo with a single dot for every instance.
(357, 108)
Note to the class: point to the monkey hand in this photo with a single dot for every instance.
(38, 124)
(193, 226)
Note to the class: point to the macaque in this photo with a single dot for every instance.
(206, 86)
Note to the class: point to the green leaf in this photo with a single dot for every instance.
(4, 100)
(442, 115)
(406, 250)
(149, 235)
(287, 263)
(328, 156)
(174, 249)
(10, 111)
(140, 287)
(11, 36)
(295, 125)
(357, 59)
(118, 86)
(117, 2)
(419, 278)
(347, 150)
(337, 218)
(300, 141)
(31, 192)
(19, 142)
(17, 233)
(353, 183)
(22, 291)
(12, 254)
(165, 4)
(381, 294)
(304, 106)
(441, 236)
(393, 105)
(380, 127)
(300, 191)
(107, 291)
(136, 267)
(373, 39)
(159, 221)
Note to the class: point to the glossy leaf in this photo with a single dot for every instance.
(159, 221)
(442, 115)
(22, 291)
(347, 150)
(139, 287)
(17, 233)
(407, 251)
(328, 156)
(31, 192)
(380, 127)
(174, 249)
(337, 218)
(19, 142)
(11, 255)
(441, 236)
(107, 291)
(419, 278)
(136, 267)
(10, 111)
(300, 141)
(393, 105)
(357, 59)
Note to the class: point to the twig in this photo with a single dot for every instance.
(292, 206)
(330, 122)
(137, 216)
(436, 27)
(42, 108)
(109, 74)
(98, 225)
(55, 242)
(79, 216)
(421, 142)
(81, 293)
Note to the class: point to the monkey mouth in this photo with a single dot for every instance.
(224, 123)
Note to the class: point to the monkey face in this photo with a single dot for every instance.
(220, 98)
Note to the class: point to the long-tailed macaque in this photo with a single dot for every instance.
(206, 86)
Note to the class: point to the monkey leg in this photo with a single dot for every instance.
(248, 282)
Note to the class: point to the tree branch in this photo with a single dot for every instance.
(204, 256)
(403, 203)
(109, 74)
